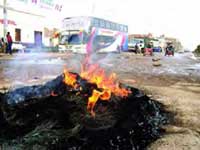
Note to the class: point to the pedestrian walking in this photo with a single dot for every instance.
(9, 43)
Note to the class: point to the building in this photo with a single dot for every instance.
(142, 39)
(160, 41)
(142, 36)
(31, 22)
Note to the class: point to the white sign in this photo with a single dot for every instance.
(77, 23)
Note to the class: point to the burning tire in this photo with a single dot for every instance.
(55, 116)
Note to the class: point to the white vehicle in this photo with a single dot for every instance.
(89, 34)
(135, 41)
(18, 47)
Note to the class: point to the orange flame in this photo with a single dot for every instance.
(95, 74)
(69, 78)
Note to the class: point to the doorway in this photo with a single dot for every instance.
(38, 38)
(18, 35)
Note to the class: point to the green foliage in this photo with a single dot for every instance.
(197, 50)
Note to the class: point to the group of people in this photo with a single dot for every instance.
(6, 44)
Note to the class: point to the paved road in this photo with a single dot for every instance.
(35, 68)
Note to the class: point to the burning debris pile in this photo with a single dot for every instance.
(80, 111)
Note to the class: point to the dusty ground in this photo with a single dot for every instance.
(181, 94)
(176, 83)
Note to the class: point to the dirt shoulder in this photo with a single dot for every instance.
(182, 98)
(177, 89)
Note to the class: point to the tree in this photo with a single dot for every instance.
(197, 50)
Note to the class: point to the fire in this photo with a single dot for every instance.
(95, 74)
(69, 78)
(92, 101)
(107, 85)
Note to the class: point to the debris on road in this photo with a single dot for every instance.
(156, 59)
(157, 64)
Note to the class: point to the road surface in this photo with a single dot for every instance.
(174, 82)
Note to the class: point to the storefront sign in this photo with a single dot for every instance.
(44, 4)
(11, 22)
(75, 24)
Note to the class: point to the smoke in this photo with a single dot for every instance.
(38, 67)
(105, 61)
(31, 68)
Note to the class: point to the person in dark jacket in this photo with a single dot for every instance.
(169, 50)
(9, 43)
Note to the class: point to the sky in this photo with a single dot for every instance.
(174, 18)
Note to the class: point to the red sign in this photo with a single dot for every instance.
(11, 22)
(48, 4)
(34, 1)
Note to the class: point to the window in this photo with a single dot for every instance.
(121, 28)
(64, 39)
(74, 39)
(96, 22)
(113, 26)
(17, 35)
(118, 27)
(108, 25)
(102, 23)
(126, 29)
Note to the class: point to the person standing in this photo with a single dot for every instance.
(2, 45)
(9, 43)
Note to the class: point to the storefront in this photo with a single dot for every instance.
(30, 22)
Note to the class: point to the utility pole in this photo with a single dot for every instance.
(5, 21)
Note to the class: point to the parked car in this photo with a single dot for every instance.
(136, 49)
(18, 47)
(132, 45)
